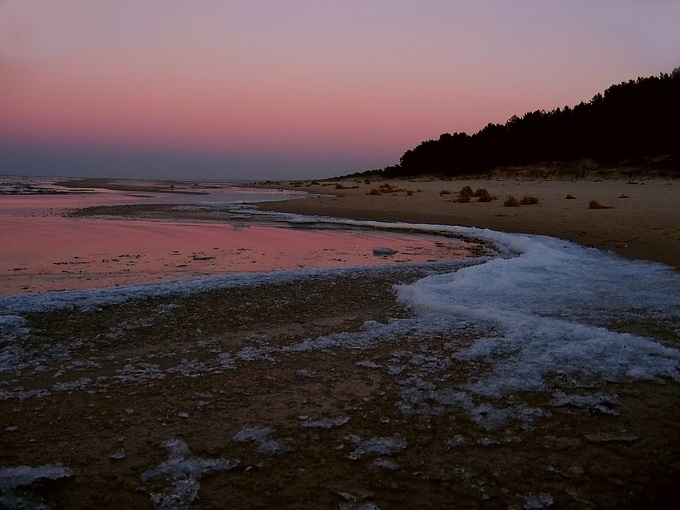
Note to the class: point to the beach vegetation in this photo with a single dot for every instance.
(594, 204)
(570, 197)
(465, 195)
(385, 188)
(466, 192)
(511, 201)
(483, 195)
(528, 200)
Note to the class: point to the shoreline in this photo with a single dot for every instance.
(638, 219)
(394, 387)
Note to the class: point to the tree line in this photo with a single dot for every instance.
(635, 119)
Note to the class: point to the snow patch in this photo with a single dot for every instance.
(180, 475)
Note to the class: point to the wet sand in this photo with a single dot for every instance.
(641, 218)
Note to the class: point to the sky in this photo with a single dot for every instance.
(251, 90)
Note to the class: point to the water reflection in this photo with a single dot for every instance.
(51, 252)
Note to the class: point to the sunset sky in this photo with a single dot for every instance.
(231, 89)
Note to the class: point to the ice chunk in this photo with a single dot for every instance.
(325, 423)
(20, 476)
(181, 474)
(15, 480)
(383, 251)
(375, 446)
(262, 437)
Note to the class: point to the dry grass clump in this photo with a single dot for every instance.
(511, 201)
(465, 194)
(570, 197)
(483, 195)
(525, 200)
(444, 192)
(342, 186)
(385, 188)
(594, 204)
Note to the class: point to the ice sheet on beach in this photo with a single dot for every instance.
(543, 310)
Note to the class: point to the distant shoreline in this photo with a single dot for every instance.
(638, 219)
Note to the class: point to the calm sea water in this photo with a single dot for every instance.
(46, 251)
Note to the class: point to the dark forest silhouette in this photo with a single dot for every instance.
(635, 120)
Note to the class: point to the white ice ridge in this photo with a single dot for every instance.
(547, 310)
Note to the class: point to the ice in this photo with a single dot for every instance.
(305, 372)
(538, 501)
(181, 474)
(78, 384)
(595, 403)
(375, 446)
(386, 464)
(15, 480)
(189, 368)
(325, 423)
(367, 364)
(12, 328)
(139, 373)
(117, 455)
(262, 437)
(20, 476)
(380, 250)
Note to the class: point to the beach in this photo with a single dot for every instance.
(515, 370)
(640, 218)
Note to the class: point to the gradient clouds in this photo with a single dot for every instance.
(254, 89)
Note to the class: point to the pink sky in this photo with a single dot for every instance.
(253, 89)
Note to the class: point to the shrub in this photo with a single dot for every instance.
(444, 192)
(466, 192)
(528, 200)
(484, 195)
(594, 204)
(511, 202)
(374, 191)
(570, 197)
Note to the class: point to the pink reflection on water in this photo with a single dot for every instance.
(43, 251)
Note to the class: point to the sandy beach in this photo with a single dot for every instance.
(640, 218)
(544, 377)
